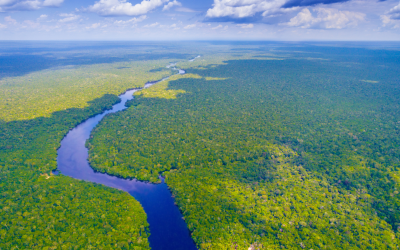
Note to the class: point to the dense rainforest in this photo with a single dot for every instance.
(43, 211)
(39, 210)
(297, 149)
(299, 153)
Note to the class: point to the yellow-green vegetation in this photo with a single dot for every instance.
(39, 94)
(42, 211)
(215, 78)
(292, 210)
(214, 58)
(62, 213)
(288, 154)
(160, 90)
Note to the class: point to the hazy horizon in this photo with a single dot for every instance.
(172, 20)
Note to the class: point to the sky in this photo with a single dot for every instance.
(288, 20)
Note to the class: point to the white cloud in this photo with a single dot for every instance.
(190, 26)
(131, 21)
(124, 8)
(30, 24)
(304, 18)
(3, 26)
(68, 18)
(395, 9)
(391, 17)
(151, 25)
(385, 20)
(217, 27)
(171, 4)
(7, 2)
(10, 20)
(23, 5)
(388, 21)
(174, 27)
(52, 3)
(93, 26)
(42, 17)
(326, 18)
(243, 8)
(18, 5)
(245, 26)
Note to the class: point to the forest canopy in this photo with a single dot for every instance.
(263, 146)
(293, 153)
(39, 210)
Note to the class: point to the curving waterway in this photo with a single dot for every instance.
(168, 231)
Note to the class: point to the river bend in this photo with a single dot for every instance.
(168, 231)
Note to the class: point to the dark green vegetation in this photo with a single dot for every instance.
(37, 109)
(60, 213)
(42, 211)
(38, 105)
(281, 154)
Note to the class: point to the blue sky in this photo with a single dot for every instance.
(292, 20)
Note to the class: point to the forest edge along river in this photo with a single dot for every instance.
(168, 230)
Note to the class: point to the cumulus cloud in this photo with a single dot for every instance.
(250, 8)
(151, 25)
(93, 26)
(52, 3)
(393, 14)
(3, 26)
(30, 24)
(68, 18)
(174, 27)
(171, 4)
(7, 2)
(391, 17)
(242, 8)
(245, 26)
(326, 18)
(190, 26)
(388, 21)
(395, 9)
(124, 8)
(133, 21)
(42, 18)
(297, 3)
(10, 20)
(217, 27)
(19, 5)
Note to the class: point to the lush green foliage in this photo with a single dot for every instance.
(63, 213)
(160, 90)
(45, 92)
(39, 211)
(294, 153)
(42, 211)
(38, 105)
(288, 153)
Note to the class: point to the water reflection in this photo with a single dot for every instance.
(168, 229)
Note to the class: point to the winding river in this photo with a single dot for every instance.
(168, 229)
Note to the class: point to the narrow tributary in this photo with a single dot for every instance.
(167, 228)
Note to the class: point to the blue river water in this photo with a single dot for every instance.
(167, 228)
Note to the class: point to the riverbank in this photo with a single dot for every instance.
(167, 228)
